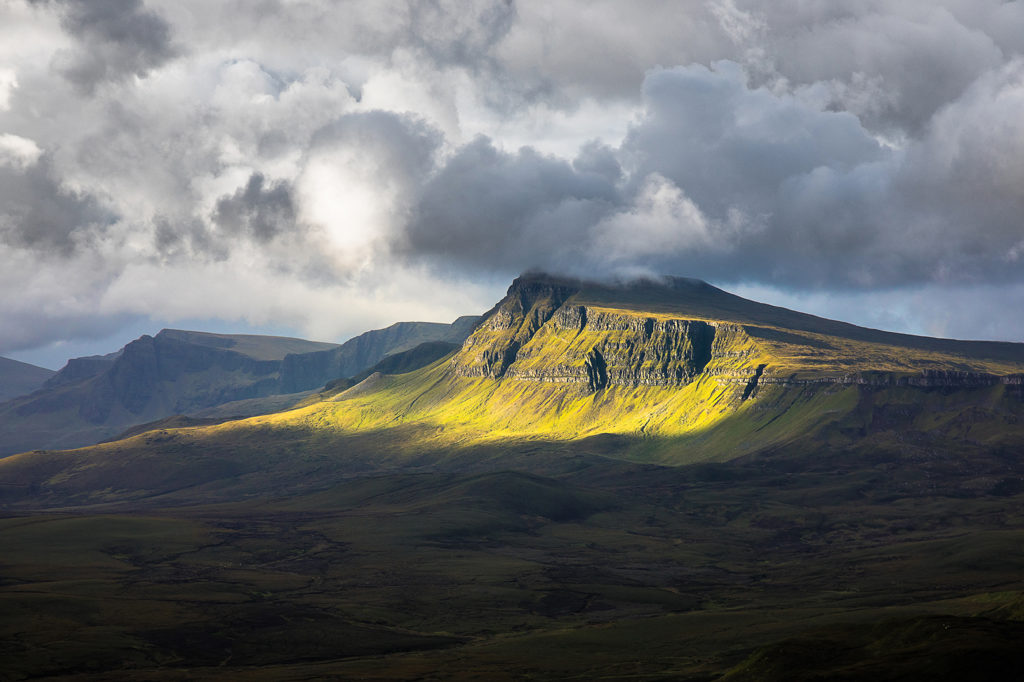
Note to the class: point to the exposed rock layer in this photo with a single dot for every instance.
(537, 334)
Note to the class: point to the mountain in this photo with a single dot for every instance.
(19, 378)
(182, 372)
(678, 363)
(310, 370)
(673, 371)
(152, 377)
(653, 480)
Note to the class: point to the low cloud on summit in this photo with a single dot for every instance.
(322, 168)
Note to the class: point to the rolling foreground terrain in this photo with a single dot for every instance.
(649, 481)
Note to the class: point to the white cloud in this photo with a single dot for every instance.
(18, 152)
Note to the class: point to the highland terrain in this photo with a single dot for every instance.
(654, 480)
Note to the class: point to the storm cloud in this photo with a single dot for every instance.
(38, 214)
(257, 211)
(114, 39)
(730, 181)
(409, 156)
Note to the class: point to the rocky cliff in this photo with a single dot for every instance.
(548, 329)
(538, 333)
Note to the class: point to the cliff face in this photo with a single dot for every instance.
(494, 347)
(537, 333)
(165, 374)
(78, 369)
(564, 331)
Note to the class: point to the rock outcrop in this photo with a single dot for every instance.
(537, 334)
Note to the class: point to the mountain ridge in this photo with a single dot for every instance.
(180, 372)
(20, 378)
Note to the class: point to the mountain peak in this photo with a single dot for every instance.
(534, 278)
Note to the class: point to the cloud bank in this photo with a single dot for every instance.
(323, 168)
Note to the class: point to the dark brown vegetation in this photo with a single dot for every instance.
(762, 569)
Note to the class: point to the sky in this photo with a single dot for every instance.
(318, 169)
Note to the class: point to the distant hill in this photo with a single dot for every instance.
(396, 363)
(19, 378)
(311, 370)
(182, 372)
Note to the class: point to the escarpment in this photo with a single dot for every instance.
(537, 333)
(555, 330)
(494, 347)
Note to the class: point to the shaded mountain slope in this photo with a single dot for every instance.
(399, 363)
(19, 378)
(405, 361)
(183, 372)
(312, 370)
(150, 378)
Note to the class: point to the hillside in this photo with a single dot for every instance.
(152, 377)
(311, 370)
(19, 378)
(184, 372)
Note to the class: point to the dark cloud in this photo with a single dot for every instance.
(400, 147)
(721, 140)
(597, 158)
(39, 214)
(493, 209)
(260, 210)
(187, 238)
(732, 182)
(894, 65)
(116, 39)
